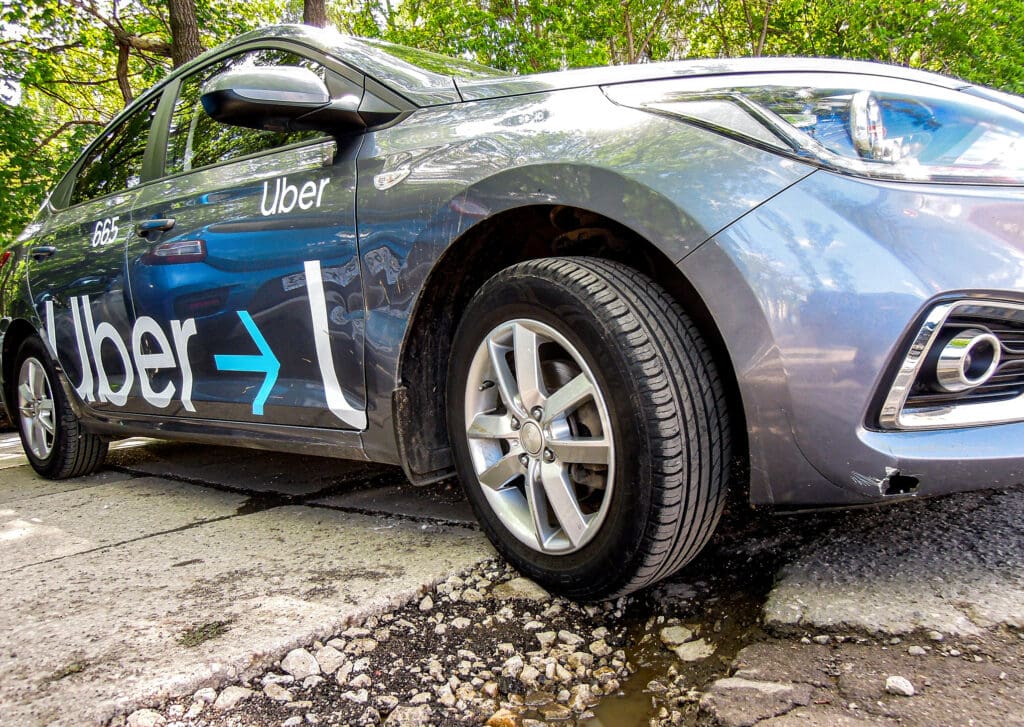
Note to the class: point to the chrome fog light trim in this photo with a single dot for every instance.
(957, 370)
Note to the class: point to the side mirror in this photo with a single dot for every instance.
(278, 98)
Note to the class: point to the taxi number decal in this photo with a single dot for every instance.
(105, 232)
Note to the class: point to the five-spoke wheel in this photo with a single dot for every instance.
(36, 408)
(588, 425)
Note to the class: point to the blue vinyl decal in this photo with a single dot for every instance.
(265, 363)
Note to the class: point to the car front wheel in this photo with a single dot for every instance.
(56, 444)
(589, 425)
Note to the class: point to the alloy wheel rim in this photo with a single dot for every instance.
(36, 408)
(540, 436)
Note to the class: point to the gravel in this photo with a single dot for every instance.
(482, 647)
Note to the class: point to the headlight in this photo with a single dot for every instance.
(868, 125)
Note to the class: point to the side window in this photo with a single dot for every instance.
(196, 140)
(116, 162)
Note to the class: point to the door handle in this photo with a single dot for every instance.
(154, 225)
(42, 253)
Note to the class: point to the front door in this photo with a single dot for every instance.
(246, 285)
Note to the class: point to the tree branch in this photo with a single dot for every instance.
(655, 25)
(764, 27)
(121, 36)
(64, 127)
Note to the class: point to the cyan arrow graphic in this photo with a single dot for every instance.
(265, 363)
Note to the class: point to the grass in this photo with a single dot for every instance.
(202, 633)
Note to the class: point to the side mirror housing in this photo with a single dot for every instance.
(279, 98)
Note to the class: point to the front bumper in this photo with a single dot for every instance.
(817, 293)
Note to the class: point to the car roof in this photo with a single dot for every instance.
(714, 67)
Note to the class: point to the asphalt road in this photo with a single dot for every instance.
(108, 577)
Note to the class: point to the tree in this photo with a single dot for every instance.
(185, 43)
(314, 12)
(67, 66)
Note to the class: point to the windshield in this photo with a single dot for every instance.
(435, 62)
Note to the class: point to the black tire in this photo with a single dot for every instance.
(72, 451)
(666, 409)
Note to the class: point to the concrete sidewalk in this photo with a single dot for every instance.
(121, 590)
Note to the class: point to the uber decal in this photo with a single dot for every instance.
(164, 356)
(163, 352)
(286, 196)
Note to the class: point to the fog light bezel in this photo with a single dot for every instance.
(895, 415)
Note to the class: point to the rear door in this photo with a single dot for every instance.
(249, 268)
(76, 268)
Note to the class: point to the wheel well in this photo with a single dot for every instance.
(14, 336)
(510, 237)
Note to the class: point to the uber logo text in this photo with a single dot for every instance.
(287, 197)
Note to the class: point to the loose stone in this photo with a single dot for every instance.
(231, 697)
(546, 638)
(146, 718)
(900, 686)
(529, 675)
(569, 638)
(522, 588)
(359, 696)
(502, 718)
(555, 712)
(599, 648)
(407, 716)
(329, 659)
(581, 697)
(694, 650)
(277, 692)
(672, 636)
(300, 664)
(206, 695)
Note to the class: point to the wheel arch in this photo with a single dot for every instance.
(508, 237)
(17, 332)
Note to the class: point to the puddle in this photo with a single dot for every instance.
(720, 596)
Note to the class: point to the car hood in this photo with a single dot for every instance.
(480, 89)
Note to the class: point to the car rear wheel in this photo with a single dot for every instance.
(589, 425)
(56, 444)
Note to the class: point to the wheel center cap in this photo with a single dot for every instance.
(531, 438)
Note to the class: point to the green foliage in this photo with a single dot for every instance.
(976, 39)
(58, 61)
(60, 56)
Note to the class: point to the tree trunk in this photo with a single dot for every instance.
(185, 43)
(122, 73)
(314, 12)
